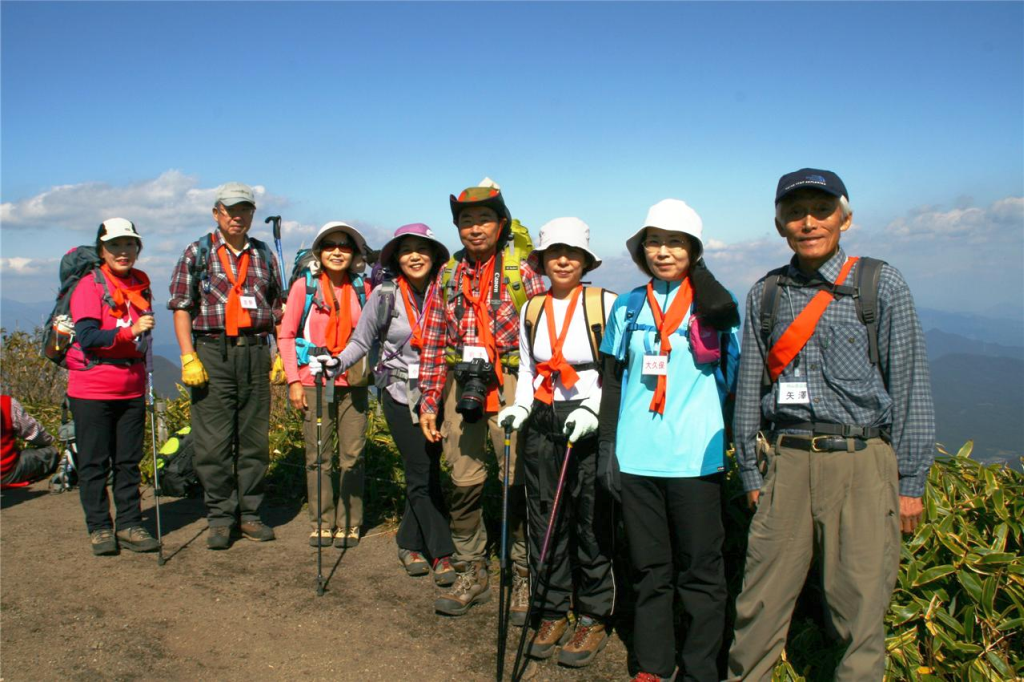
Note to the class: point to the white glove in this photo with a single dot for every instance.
(517, 413)
(314, 365)
(328, 364)
(583, 420)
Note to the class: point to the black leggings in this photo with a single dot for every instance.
(110, 434)
(424, 528)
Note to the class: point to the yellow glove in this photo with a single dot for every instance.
(277, 376)
(192, 371)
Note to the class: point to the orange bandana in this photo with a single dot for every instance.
(483, 325)
(339, 324)
(667, 325)
(416, 340)
(235, 316)
(557, 364)
(123, 294)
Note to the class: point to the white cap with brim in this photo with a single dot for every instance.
(359, 261)
(118, 227)
(673, 215)
(232, 193)
(570, 232)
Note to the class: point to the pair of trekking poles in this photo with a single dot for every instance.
(504, 589)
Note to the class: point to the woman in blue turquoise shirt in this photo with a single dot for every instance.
(666, 380)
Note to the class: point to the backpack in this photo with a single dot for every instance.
(200, 268)
(593, 314)
(66, 476)
(515, 250)
(865, 297)
(176, 466)
(59, 330)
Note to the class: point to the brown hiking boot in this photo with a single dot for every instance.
(103, 542)
(549, 635)
(586, 643)
(470, 588)
(257, 531)
(137, 539)
(520, 595)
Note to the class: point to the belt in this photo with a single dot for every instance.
(830, 429)
(249, 340)
(822, 443)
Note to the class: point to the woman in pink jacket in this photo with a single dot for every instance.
(339, 254)
(112, 311)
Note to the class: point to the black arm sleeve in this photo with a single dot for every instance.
(89, 334)
(713, 301)
(611, 396)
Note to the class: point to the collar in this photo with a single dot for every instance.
(218, 239)
(665, 287)
(828, 271)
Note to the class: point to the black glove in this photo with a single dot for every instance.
(608, 469)
(713, 302)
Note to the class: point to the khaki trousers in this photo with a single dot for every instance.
(465, 451)
(844, 507)
(344, 421)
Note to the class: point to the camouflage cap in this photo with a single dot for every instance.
(487, 193)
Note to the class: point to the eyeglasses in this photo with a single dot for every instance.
(344, 247)
(674, 244)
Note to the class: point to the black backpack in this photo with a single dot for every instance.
(177, 468)
(865, 297)
(59, 331)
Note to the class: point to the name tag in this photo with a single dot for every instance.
(793, 393)
(414, 371)
(123, 322)
(655, 365)
(471, 353)
(248, 302)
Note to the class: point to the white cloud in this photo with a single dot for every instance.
(1003, 219)
(27, 267)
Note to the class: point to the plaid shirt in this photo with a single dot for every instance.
(260, 281)
(843, 386)
(443, 329)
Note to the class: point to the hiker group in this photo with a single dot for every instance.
(601, 409)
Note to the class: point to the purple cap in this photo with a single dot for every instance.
(414, 230)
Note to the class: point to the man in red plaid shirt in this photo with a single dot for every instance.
(226, 299)
(474, 317)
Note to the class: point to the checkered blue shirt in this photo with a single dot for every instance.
(843, 386)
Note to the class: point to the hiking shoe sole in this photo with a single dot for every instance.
(419, 569)
(544, 652)
(572, 660)
(449, 607)
(104, 548)
(150, 545)
(445, 579)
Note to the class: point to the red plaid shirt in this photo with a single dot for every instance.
(443, 330)
(260, 281)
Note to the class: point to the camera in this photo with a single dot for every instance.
(476, 377)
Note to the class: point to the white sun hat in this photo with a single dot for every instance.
(673, 215)
(569, 231)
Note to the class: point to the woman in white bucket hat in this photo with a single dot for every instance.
(662, 424)
(557, 399)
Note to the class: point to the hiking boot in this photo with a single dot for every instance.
(137, 539)
(414, 562)
(444, 572)
(520, 595)
(651, 677)
(549, 635)
(346, 537)
(219, 537)
(257, 531)
(586, 643)
(103, 542)
(321, 538)
(470, 588)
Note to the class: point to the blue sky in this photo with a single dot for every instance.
(374, 112)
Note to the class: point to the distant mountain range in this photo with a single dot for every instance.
(977, 367)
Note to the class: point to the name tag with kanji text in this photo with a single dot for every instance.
(471, 353)
(414, 370)
(655, 365)
(248, 302)
(793, 393)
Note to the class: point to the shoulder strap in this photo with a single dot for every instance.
(634, 304)
(869, 271)
(594, 314)
(534, 309)
(388, 289)
(311, 286)
(513, 277)
(200, 269)
(769, 308)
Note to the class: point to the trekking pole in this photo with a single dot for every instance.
(319, 381)
(276, 219)
(156, 468)
(541, 565)
(503, 555)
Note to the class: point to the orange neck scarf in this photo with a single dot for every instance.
(557, 365)
(235, 316)
(800, 330)
(339, 324)
(484, 275)
(416, 340)
(123, 294)
(667, 325)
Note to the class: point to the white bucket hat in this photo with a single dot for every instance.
(569, 231)
(358, 257)
(673, 215)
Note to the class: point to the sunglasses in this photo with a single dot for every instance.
(344, 247)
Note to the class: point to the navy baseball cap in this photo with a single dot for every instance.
(823, 180)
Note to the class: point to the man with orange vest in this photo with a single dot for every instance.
(844, 401)
(19, 468)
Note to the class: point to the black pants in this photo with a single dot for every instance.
(232, 410)
(583, 531)
(424, 528)
(675, 532)
(110, 434)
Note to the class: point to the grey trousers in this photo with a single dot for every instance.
(842, 507)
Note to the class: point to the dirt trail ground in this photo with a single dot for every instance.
(249, 613)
